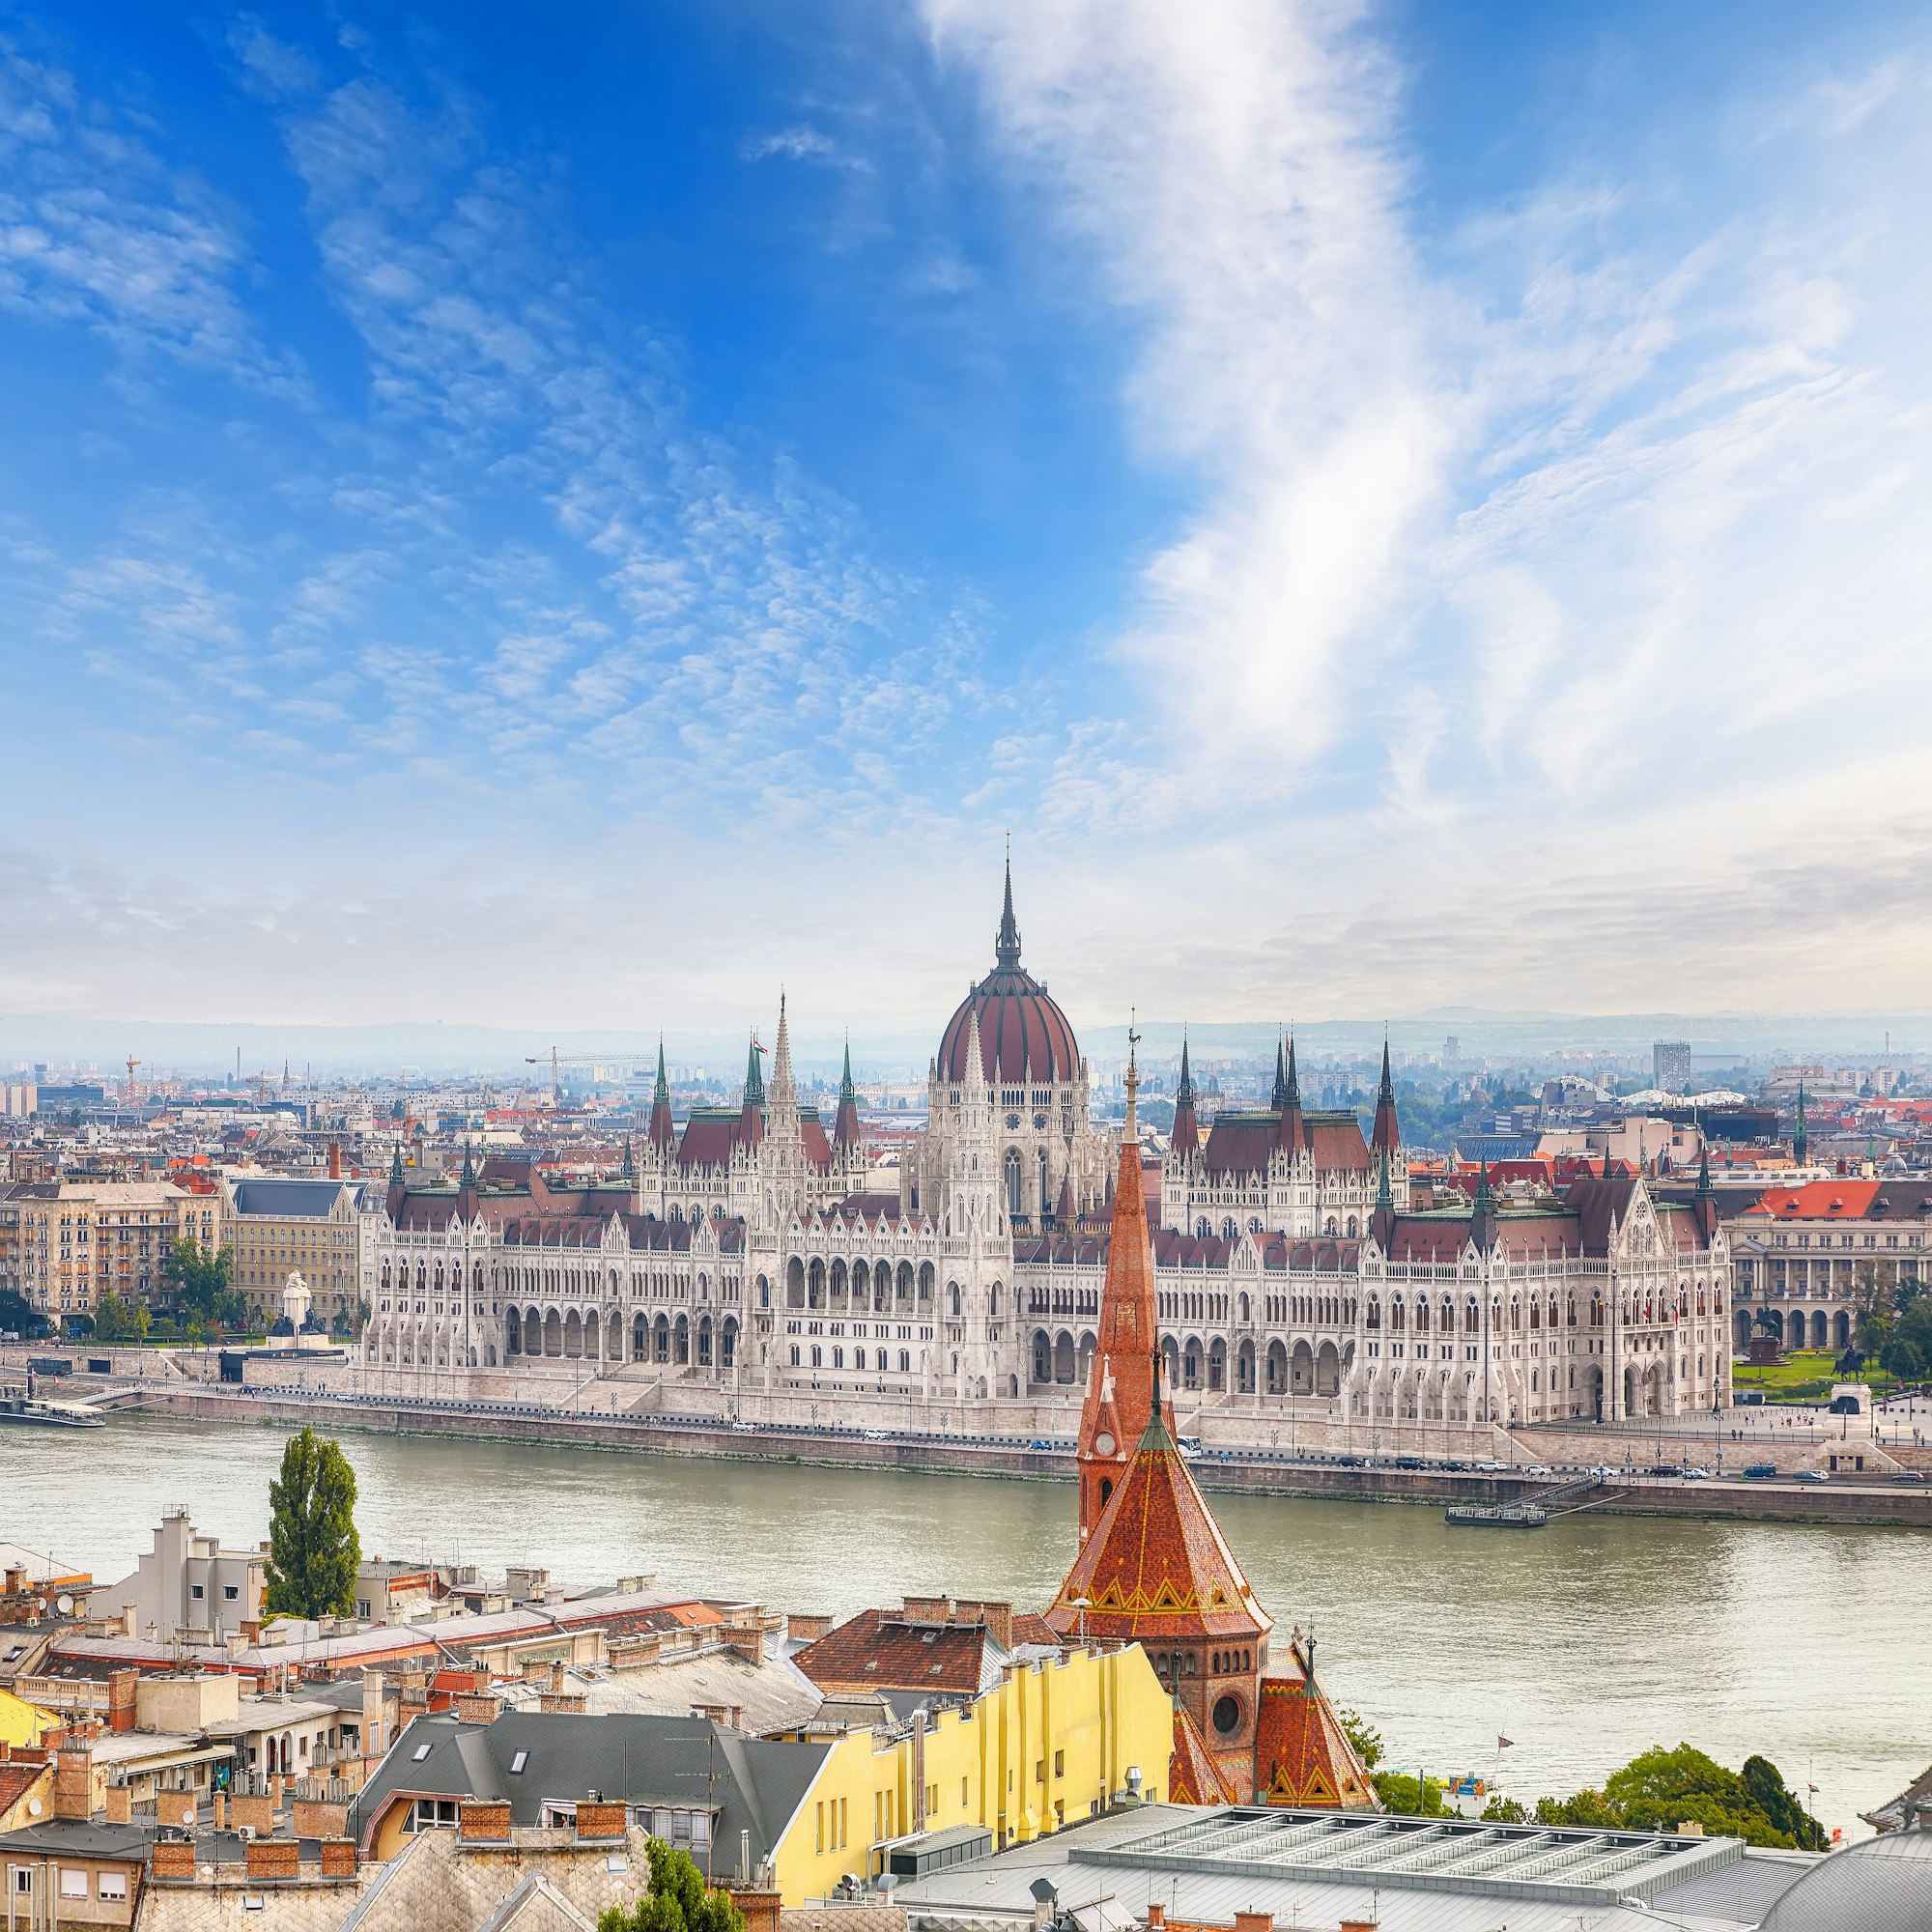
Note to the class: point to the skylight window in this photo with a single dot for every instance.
(517, 1763)
(421, 1751)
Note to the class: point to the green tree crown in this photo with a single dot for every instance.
(676, 1900)
(313, 1550)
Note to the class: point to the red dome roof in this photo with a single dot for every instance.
(1023, 1034)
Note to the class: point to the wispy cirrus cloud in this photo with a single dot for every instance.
(97, 229)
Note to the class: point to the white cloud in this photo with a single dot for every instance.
(1522, 553)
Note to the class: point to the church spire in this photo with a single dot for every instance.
(1483, 1214)
(1186, 1135)
(628, 1169)
(845, 1127)
(1801, 1140)
(1293, 1133)
(660, 1133)
(1387, 1136)
(1278, 1099)
(469, 1177)
(396, 1165)
(1132, 1131)
(1007, 946)
(751, 1113)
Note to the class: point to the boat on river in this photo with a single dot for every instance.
(33, 1412)
(1496, 1516)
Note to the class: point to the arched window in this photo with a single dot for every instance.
(1012, 1170)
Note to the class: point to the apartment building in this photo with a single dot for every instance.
(80, 1240)
(277, 1225)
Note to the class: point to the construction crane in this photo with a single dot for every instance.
(557, 1061)
(133, 1062)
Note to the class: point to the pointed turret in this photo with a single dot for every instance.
(1293, 1132)
(1006, 945)
(1186, 1136)
(751, 1112)
(845, 1126)
(1387, 1135)
(396, 1165)
(1704, 1202)
(469, 1176)
(628, 1169)
(1382, 1223)
(661, 1136)
(1801, 1140)
(1120, 1389)
(1278, 1099)
(1483, 1216)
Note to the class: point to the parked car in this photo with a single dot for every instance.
(1410, 1463)
(1809, 1476)
(1908, 1476)
(1759, 1472)
(1664, 1469)
(1697, 1473)
(1538, 1469)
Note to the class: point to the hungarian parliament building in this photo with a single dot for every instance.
(749, 1260)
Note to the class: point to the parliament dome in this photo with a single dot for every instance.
(1024, 1037)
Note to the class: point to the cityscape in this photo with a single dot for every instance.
(971, 1008)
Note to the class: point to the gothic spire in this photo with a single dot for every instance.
(396, 1165)
(1186, 1135)
(469, 1178)
(661, 1134)
(1007, 946)
(1387, 1136)
(1279, 1099)
(628, 1169)
(1384, 1192)
(1483, 1214)
(1704, 1173)
(1293, 1133)
(1183, 1095)
(845, 1126)
(1294, 1078)
(1800, 1138)
(755, 1075)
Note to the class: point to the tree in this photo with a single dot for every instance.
(1366, 1739)
(1501, 1810)
(677, 1900)
(1399, 1791)
(1659, 1790)
(313, 1550)
(18, 1315)
(199, 1279)
(118, 1320)
(1907, 1351)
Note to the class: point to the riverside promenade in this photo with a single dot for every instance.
(1626, 1487)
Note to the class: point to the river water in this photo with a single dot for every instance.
(1583, 1644)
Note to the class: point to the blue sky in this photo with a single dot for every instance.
(1388, 505)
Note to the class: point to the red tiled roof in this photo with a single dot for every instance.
(1156, 1566)
(1192, 1776)
(885, 1650)
(1303, 1756)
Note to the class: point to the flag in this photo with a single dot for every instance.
(1503, 1742)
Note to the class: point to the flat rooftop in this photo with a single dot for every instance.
(1315, 1868)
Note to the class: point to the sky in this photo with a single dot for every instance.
(591, 514)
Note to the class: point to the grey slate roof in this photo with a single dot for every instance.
(287, 1200)
(754, 1784)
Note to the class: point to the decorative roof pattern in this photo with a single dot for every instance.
(1193, 1778)
(1156, 1566)
(1302, 1755)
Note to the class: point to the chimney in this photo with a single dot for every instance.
(1156, 1915)
(120, 1805)
(1360, 1926)
(221, 1802)
(74, 1785)
(336, 1160)
(557, 1676)
(121, 1689)
(130, 1625)
(1254, 1921)
(17, 1581)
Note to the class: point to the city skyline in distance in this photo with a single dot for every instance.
(1390, 513)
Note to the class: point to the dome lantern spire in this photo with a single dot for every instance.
(1007, 946)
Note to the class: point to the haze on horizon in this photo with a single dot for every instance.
(1392, 507)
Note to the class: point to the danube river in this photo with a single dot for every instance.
(1583, 1644)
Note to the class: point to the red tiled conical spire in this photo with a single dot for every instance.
(1120, 1390)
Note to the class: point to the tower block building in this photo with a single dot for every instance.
(1153, 1569)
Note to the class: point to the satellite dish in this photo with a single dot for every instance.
(188, 1814)
(33, 1807)
(65, 1606)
